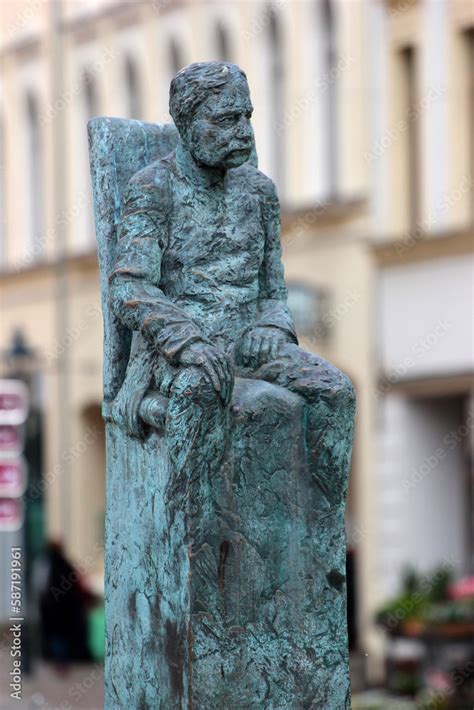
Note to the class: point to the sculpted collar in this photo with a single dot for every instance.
(203, 178)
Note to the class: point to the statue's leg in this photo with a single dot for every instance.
(196, 434)
(315, 617)
(330, 403)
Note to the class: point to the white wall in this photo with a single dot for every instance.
(425, 318)
(422, 503)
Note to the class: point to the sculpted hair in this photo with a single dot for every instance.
(192, 85)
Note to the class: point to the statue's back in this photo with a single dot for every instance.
(118, 149)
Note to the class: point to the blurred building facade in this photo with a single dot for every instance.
(422, 158)
(364, 118)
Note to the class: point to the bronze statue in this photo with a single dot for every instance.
(256, 433)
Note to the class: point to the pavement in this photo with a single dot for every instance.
(49, 687)
(80, 687)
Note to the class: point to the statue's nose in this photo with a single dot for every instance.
(244, 131)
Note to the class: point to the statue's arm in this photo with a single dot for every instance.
(273, 308)
(136, 296)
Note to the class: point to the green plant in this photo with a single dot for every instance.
(418, 594)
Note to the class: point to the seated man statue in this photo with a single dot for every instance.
(198, 277)
(225, 550)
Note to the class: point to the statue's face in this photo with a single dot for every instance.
(220, 134)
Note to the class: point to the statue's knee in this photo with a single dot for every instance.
(343, 391)
(336, 389)
(192, 383)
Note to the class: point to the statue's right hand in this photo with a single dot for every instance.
(215, 364)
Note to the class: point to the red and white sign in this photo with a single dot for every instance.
(12, 477)
(13, 413)
(11, 439)
(13, 402)
(11, 514)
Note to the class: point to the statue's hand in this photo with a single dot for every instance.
(260, 345)
(216, 366)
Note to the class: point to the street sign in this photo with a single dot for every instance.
(13, 402)
(14, 406)
(11, 440)
(11, 514)
(12, 477)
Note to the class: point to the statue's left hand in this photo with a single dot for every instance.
(260, 345)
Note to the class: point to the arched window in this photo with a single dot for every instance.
(276, 83)
(34, 168)
(330, 120)
(222, 43)
(90, 108)
(132, 89)
(90, 95)
(175, 57)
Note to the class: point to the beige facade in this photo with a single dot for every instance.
(422, 191)
(331, 95)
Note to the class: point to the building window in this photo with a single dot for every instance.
(329, 104)
(276, 83)
(409, 75)
(34, 177)
(309, 307)
(470, 114)
(90, 96)
(90, 109)
(175, 57)
(132, 89)
(222, 41)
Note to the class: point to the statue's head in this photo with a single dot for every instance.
(210, 105)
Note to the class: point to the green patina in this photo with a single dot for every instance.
(228, 446)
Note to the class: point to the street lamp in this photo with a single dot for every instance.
(20, 358)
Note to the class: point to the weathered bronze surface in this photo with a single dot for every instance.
(228, 446)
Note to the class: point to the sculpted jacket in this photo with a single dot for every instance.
(197, 259)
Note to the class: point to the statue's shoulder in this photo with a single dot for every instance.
(253, 180)
(154, 177)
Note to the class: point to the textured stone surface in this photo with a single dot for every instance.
(228, 446)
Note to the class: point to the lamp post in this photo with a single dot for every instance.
(20, 358)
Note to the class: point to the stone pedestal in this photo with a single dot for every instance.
(237, 600)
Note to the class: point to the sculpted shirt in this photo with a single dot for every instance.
(199, 257)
